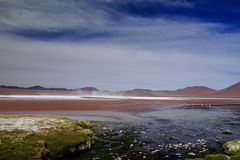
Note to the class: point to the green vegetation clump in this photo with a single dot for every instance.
(52, 137)
(217, 157)
(237, 157)
(232, 147)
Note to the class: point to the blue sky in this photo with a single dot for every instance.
(116, 44)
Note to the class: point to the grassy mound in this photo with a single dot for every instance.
(42, 137)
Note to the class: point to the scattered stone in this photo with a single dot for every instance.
(178, 154)
(227, 131)
(118, 158)
(232, 147)
(191, 154)
(155, 151)
(193, 145)
(104, 128)
(172, 138)
(166, 156)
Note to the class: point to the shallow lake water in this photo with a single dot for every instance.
(159, 132)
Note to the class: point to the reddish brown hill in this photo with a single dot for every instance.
(232, 91)
(234, 88)
(188, 91)
(194, 90)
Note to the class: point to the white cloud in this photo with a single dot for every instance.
(61, 64)
(44, 14)
(143, 53)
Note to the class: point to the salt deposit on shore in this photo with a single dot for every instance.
(27, 123)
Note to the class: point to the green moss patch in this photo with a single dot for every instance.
(232, 147)
(217, 157)
(47, 137)
(237, 157)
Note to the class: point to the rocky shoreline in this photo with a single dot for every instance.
(119, 141)
(54, 137)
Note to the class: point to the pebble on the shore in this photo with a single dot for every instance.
(227, 131)
(191, 154)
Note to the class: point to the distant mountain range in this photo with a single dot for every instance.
(44, 88)
(14, 90)
(193, 91)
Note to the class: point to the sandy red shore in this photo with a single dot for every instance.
(114, 105)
